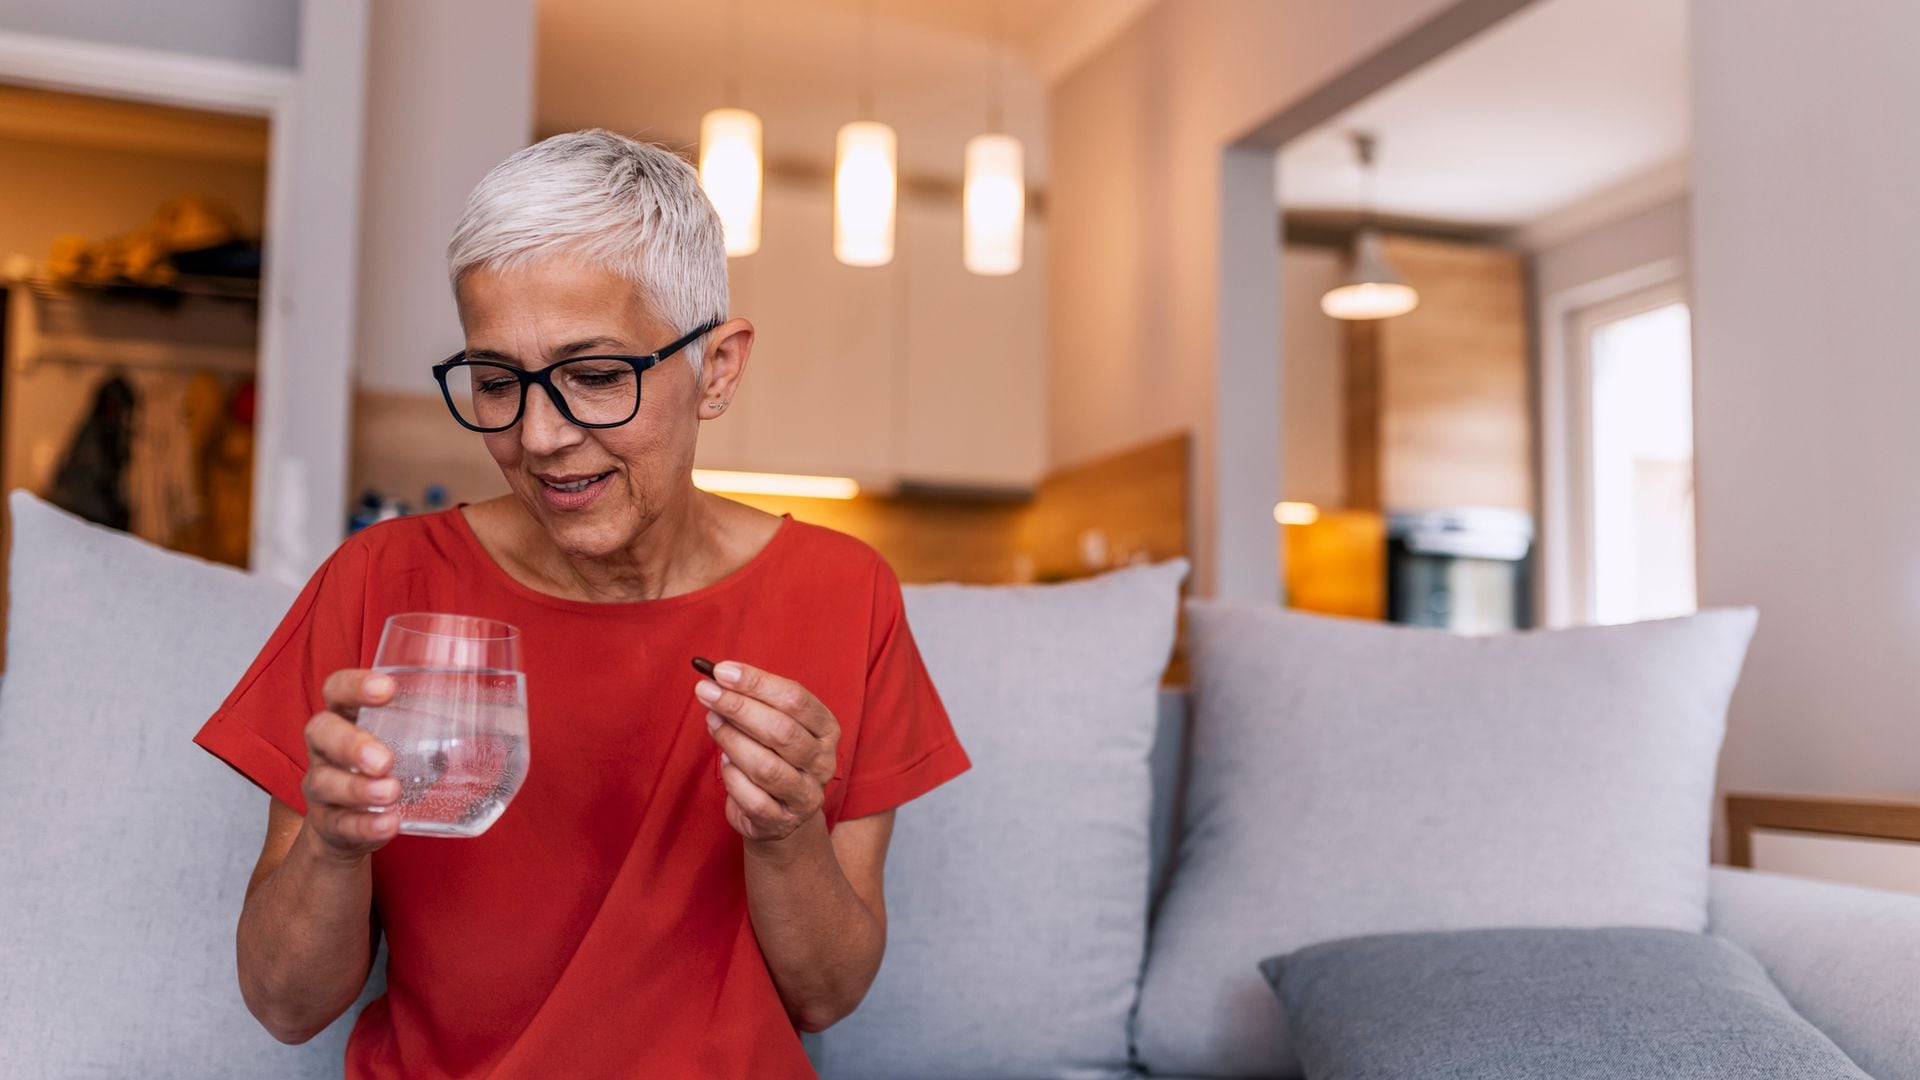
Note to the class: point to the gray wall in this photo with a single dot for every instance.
(260, 31)
(1805, 262)
(1648, 236)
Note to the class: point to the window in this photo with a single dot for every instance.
(1634, 508)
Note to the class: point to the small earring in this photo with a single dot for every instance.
(716, 404)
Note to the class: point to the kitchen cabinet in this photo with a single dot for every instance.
(974, 401)
(917, 372)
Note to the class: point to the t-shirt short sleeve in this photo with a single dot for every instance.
(906, 745)
(260, 729)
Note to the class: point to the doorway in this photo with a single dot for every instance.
(1632, 457)
(130, 274)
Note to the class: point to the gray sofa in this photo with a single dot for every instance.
(126, 850)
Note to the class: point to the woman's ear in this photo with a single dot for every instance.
(725, 363)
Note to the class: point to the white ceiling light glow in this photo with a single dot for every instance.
(730, 171)
(865, 178)
(995, 205)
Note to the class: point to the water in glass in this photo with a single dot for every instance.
(457, 722)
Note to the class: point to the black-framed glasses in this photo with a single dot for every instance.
(598, 391)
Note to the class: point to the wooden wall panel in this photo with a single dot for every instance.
(1441, 395)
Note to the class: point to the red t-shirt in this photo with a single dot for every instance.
(600, 927)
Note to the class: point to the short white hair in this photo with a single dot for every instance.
(630, 207)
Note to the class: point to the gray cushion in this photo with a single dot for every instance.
(1354, 778)
(1846, 957)
(126, 848)
(1017, 894)
(1526, 1004)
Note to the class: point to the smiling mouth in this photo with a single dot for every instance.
(578, 485)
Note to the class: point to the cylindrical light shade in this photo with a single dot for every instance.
(730, 171)
(864, 174)
(1372, 290)
(995, 205)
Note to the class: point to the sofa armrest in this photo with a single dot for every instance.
(1874, 819)
(1848, 958)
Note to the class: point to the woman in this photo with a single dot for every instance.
(692, 869)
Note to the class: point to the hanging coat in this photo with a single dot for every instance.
(91, 478)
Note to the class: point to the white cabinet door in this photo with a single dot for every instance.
(915, 371)
(818, 395)
(974, 399)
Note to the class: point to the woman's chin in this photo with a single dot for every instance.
(589, 533)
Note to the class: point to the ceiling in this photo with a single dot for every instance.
(652, 67)
(1561, 104)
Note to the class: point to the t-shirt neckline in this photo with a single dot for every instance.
(519, 588)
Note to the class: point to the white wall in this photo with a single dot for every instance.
(1137, 297)
(1313, 426)
(1806, 258)
(449, 94)
(261, 31)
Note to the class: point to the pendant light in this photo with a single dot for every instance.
(730, 157)
(994, 205)
(1373, 290)
(865, 174)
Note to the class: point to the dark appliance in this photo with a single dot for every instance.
(1469, 570)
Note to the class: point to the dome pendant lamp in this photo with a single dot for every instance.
(1373, 289)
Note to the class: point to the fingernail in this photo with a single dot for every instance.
(383, 790)
(724, 759)
(713, 723)
(379, 685)
(727, 672)
(706, 691)
(371, 757)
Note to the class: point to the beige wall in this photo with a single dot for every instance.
(1313, 347)
(1806, 257)
(1135, 286)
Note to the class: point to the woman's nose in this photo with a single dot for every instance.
(542, 428)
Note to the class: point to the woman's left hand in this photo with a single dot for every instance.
(778, 745)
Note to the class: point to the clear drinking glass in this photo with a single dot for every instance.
(457, 723)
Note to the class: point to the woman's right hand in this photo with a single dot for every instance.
(350, 796)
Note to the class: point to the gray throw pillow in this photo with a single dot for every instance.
(1354, 778)
(124, 848)
(1017, 894)
(1526, 1004)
